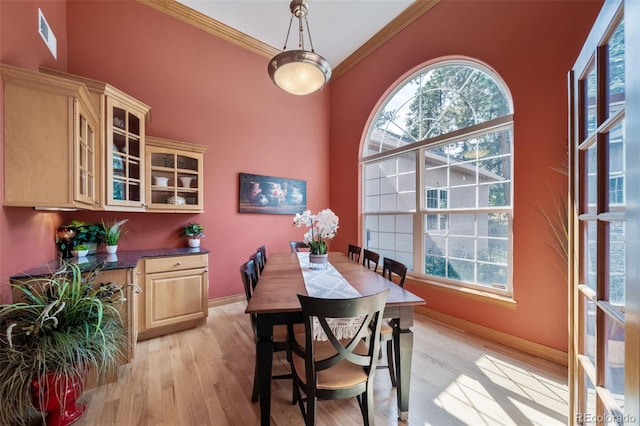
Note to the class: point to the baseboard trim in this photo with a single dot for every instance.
(226, 300)
(532, 348)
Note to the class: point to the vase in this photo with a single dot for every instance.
(194, 242)
(318, 259)
(186, 181)
(56, 395)
(112, 249)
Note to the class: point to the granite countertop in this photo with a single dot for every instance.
(124, 259)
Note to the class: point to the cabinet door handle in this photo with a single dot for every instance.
(179, 263)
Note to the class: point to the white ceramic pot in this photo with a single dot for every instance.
(79, 253)
(161, 181)
(318, 259)
(186, 181)
(112, 249)
(194, 242)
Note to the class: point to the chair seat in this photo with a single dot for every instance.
(341, 375)
(386, 330)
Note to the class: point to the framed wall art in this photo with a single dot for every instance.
(272, 195)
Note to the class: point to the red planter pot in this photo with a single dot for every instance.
(56, 395)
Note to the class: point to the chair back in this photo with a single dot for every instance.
(354, 252)
(297, 246)
(263, 250)
(391, 267)
(370, 257)
(259, 262)
(249, 276)
(370, 309)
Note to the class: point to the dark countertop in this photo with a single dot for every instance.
(124, 259)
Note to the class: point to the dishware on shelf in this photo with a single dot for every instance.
(180, 201)
(186, 181)
(161, 180)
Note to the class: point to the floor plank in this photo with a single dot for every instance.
(204, 376)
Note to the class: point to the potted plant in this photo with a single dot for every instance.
(77, 233)
(56, 330)
(192, 231)
(80, 250)
(323, 226)
(110, 234)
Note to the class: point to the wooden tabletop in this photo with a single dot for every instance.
(281, 282)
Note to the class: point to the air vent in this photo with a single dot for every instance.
(47, 35)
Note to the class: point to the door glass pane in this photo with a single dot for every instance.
(617, 167)
(591, 254)
(615, 49)
(591, 160)
(614, 355)
(589, 347)
(134, 147)
(617, 260)
(134, 191)
(589, 416)
(118, 190)
(119, 118)
(590, 102)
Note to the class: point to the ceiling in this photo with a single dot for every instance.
(338, 27)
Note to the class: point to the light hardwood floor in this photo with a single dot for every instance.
(204, 376)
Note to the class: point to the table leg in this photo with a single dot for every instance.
(403, 352)
(264, 354)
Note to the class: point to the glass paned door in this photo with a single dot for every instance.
(125, 156)
(85, 159)
(599, 173)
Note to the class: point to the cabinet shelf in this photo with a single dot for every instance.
(180, 164)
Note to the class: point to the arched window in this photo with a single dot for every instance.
(448, 130)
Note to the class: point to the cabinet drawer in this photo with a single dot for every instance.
(175, 263)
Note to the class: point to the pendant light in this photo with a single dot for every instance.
(299, 72)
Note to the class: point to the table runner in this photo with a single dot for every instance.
(328, 283)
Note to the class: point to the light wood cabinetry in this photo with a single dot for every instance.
(122, 132)
(174, 175)
(174, 294)
(52, 149)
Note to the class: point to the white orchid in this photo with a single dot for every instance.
(323, 227)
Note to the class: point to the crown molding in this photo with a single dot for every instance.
(205, 23)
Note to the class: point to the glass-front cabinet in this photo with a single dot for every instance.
(124, 155)
(174, 175)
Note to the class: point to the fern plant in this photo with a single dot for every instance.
(66, 324)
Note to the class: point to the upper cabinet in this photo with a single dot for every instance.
(52, 148)
(77, 143)
(174, 175)
(122, 124)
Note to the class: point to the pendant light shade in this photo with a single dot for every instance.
(299, 72)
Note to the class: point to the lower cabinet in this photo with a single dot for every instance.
(174, 294)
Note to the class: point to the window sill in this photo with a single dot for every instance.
(469, 293)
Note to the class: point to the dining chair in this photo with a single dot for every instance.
(263, 249)
(353, 252)
(259, 262)
(249, 275)
(297, 246)
(337, 368)
(370, 257)
(392, 270)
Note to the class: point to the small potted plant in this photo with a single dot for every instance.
(81, 250)
(111, 233)
(192, 231)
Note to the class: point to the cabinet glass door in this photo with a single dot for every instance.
(125, 151)
(85, 160)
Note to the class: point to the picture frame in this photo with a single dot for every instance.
(271, 195)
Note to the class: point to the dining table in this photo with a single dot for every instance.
(275, 301)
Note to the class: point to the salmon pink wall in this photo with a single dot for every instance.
(532, 46)
(25, 235)
(206, 91)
